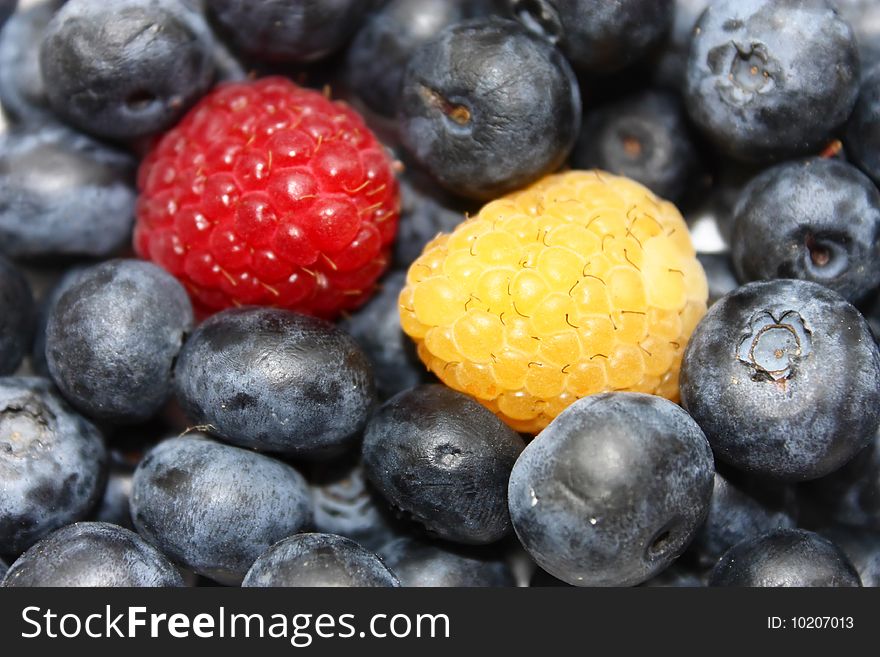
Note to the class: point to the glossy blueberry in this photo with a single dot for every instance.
(761, 92)
(719, 274)
(421, 564)
(112, 339)
(863, 128)
(487, 107)
(52, 463)
(816, 219)
(741, 508)
(595, 35)
(16, 317)
(215, 508)
(276, 381)
(784, 378)
(382, 47)
(442, 459)
(613, 490)
(125, 69)
(22, 92)
(94, 554)
(376, 328)
(319, 560)
(282, 31)
(643, 137)
(346, 505)
(785, 558)
(63, 194)
(862, 548)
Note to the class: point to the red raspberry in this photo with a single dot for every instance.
(269, 194)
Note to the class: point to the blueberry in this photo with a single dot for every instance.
(487, 107)
(862, 548)
(115, 507)
(95, 554)
(44, 309)
(719, 274)
(275, 380)
(598, 36)
(851, 495)
(125, 69)
(285, 31)
(63, 194)
(318, 560)
(52, 463)
(816, 219)
(677, 576)
(643, 137)
(785, 557)
(16, 317)
(613, 490)
(443, 459)
(761, 92)
(22, 92)
(421, 564)
(670, 66)
(347, 506)
(784, 378)
(376, 328)
(864, 18)
(112, 339)
(215, 508)
(741, 509)
(863, 129)
(382, 47)
(3, 569)
(7, 8)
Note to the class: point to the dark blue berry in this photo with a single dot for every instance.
(784, 378)
(677, 575)
(128, 68)
(863, 129)
(488, 107)
(319, 560)
(816, 219)
(613, 490)
(422, 564)
(864, 18)
(670, 65)
(112, 339)
(63, 194)
(93, 554)
(215, 508)
(785, 558)
(16, 317)
(862, 548)
(275, 380)
(52, 463)
(595, 35)
(444, 460)
(44, 309)
(761, 92)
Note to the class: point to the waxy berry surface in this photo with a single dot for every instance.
(269, 194)
(583, 283)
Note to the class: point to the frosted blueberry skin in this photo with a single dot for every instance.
(276, 381)
(613, 490)
(488, 107)
(93, 554)
(319, 560)
(281, 31)
(53, 463)
(112, 339)
(422, 564)
(16, 317)
(63, 194)
(443, 460)
(44, 309)
(214, 508)
(125, 69)
(817, 220)
(784, 378)
(597, 36)
(863, 129)
(763, 93)
(785, 558)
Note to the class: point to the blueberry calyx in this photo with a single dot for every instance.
(750, 71)
(773, 346)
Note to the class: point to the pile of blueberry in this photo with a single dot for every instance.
(207, 213)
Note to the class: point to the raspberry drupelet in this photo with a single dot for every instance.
(583, 283)
(270, 194)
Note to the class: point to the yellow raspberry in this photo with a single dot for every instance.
(584, 282)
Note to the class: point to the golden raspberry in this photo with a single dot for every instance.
(583, 283)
